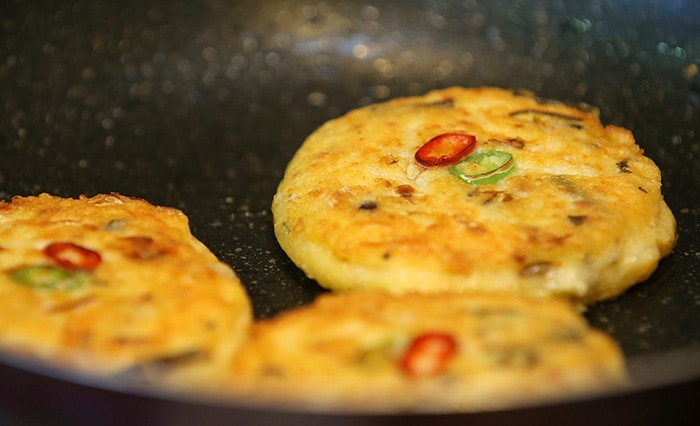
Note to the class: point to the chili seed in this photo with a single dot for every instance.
(537, 269)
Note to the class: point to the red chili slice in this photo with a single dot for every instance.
(72, 256)
(445, 149)
(428, 354)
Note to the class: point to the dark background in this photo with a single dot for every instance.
(199, 105)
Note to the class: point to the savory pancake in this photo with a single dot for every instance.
(474, 189)
(376, 352)
(112, 284)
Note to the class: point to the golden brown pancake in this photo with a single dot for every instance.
(112, 284)
(375, 352)
(548, 202)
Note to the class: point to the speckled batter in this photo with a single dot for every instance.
(359, 352)
(581, 215)
(112, 284)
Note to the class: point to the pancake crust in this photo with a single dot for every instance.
(582, 215)
(157, 301)
(346, 352)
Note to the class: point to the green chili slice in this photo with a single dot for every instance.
(484, 167)
(49, 278)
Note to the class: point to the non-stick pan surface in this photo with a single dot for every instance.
(200, 105)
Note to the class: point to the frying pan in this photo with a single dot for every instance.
(200, 105)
